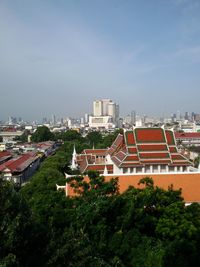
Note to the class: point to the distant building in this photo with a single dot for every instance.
(97, 108)
(133, 117)
(104, 122)
(86, 118)
(53, 120)
(197, 117)
(188, 138)
(10, 135)
(21, 168)
(105, 114)
(4, 156)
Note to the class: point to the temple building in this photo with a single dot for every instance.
(140, 150)
(94, 159)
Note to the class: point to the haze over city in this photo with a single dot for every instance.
(56, 57)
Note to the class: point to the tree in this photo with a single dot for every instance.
(146, 226)
(42, 134)
(196, 162)
(18, 234)
(94, 138)
(24, 137)
(70, 135)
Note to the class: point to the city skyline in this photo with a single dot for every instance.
(58, 57)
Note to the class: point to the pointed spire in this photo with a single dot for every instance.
(74, 165)
(74, 152)
(105, 172)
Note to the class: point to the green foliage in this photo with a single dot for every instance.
(110, 138)
(17, 229)
(42, 134)
(196, 162)
(24, 137)
(142, 227)
(94, 138)
(70, 135)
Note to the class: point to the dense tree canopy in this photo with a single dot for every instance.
(146, 226)
(100, 227)
(42, 134)
(70, 135)
(94, 138)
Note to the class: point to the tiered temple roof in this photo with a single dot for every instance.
(93, 159)
(146, 146)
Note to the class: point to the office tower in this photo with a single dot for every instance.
(97, 108)
(53, 119)
(133, 117)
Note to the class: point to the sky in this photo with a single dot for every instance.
(57, 56)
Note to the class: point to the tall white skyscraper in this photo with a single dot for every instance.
(97, 108)
(53, 119)
(86, 118)
(105, 103)
(105, 112)
(112, 110)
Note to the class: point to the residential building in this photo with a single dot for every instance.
(19, 169)
(188, 138)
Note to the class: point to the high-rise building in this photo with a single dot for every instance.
(104, 108)
(86, 118)
(82, 120)
(53, 119)
(178, 115)
(105, 104)
(97, 108)
(133, 117)
(112, 110)
(10, 120)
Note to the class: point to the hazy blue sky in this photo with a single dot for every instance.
(57, 56)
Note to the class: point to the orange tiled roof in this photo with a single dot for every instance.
(187, 135)
(170, 137)
(95, 151)
(130, 139)
(152, 147)
(93, 159)
(150, 135)
(173, 149)
(116, 145)
(137, 147)
(146, 145)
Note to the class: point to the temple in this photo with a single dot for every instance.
(139, 153)
(139, 150)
